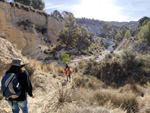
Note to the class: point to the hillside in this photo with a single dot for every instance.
(28, 29)
(131, 44)
(94, 25)
(132, 24)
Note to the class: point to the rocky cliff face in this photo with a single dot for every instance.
(7, 53)
(27, 28)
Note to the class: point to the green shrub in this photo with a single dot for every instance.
(93, 46)
(85, 52)
(119, 69)
(65, 58)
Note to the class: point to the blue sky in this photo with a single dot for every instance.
(107, 10)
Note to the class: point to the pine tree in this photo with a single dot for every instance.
(25, 2)
(144, 34)
(106, 30)
(127, 34)
(57, 14)
(84, 37)
(3, 0)
(118, 37)
(37, 4)
(71, 32)
(141, 21)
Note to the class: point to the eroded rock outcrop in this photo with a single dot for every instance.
(27, 28)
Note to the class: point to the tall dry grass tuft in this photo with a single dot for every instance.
(133, 88)
(36, 64)
(137, 89)
(51, 67)
(124, 100)
(63, 93)
(145, 102)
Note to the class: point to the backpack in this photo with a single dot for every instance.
(10, 86)
(68, 71)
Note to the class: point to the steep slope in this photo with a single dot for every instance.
(27, 28)
(125, 44)
(131, 44)
(42, 82)
(7, 53)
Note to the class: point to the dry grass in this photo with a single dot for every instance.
(78, 81)
(98, 110)
(91, 101)
(87, 82)
(51, 67)
(124, 100)
(137, 89)
(85, 97)
(95, 92)
(133, 88)
(63, 93)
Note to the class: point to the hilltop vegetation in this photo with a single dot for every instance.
(95, 25)
(36, 4)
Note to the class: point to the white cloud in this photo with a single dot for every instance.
(52, 7)
(99, 9)
(107, 10)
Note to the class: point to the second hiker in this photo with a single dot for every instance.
(68, 72)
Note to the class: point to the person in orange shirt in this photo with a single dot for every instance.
(68, 72)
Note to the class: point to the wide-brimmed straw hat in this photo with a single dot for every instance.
(18, 62)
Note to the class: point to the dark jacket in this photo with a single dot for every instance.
(66, 66)
(24, 80)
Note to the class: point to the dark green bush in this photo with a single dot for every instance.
(119, 69)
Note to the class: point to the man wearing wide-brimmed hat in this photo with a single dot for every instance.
(17, 67)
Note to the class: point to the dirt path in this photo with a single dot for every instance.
(98, 58)
(46, 91)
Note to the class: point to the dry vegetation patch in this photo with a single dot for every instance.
(54, 68)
